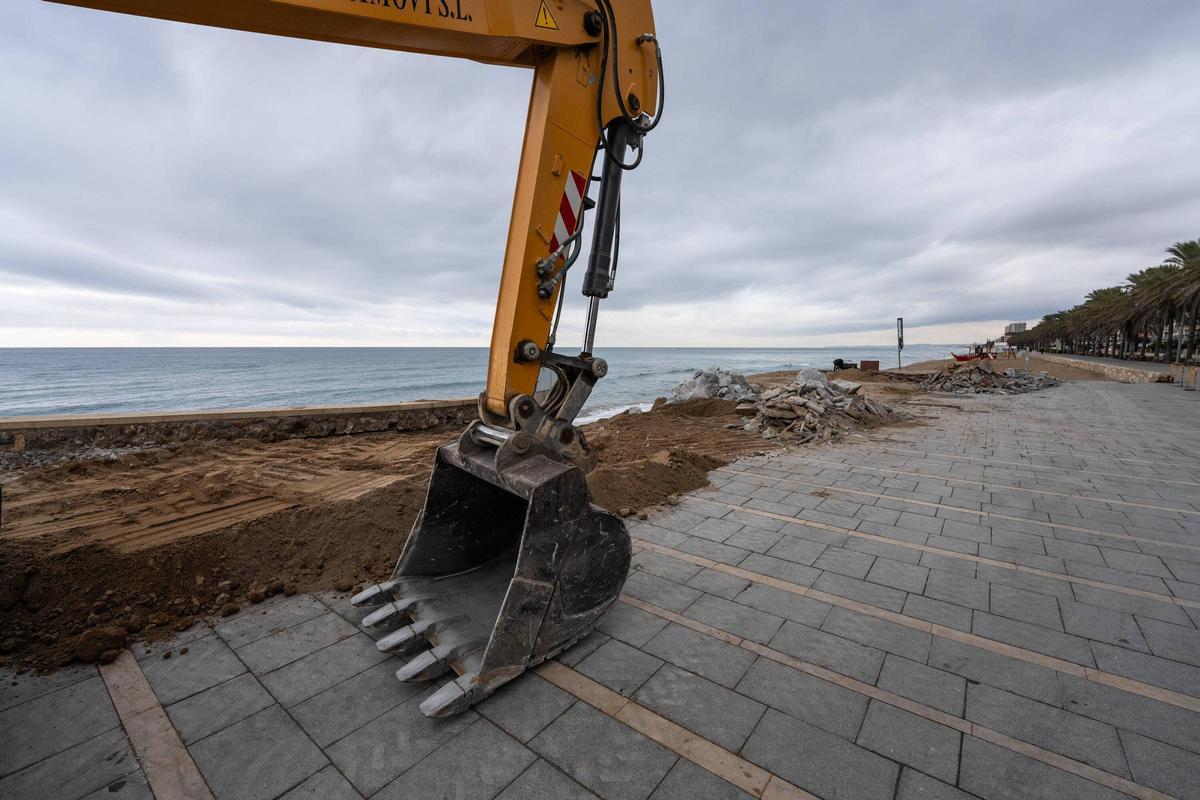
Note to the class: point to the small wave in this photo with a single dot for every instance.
(605, 413)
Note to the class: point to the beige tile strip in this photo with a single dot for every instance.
(932, 714)
(959, 509)
(169, 768)
(1019, 653)
(1027, 465)
(1045, 573)
(748, 777)
(850, 467)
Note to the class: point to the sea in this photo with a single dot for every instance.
(40, 381)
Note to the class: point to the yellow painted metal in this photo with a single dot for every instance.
(562, 127)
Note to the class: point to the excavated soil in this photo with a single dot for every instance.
(143, 545)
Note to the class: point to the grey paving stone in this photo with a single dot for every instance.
(802, 530)
(947, 563)
(801, 551)
(781, 568)
(314, 673)
(128, 787)
(994, 773)
(1033, 637)
(475, 765)
(720, 662)
(898, 575)
(588, 645)
(1026, 606)
(1070, 734)
(755, 520)
(1163, 767)
(349, 705)
(630, 624)
(544, 782)
(892, 532)
(919, 521)
(926, 685)
(970, 531)
(328, 784)
(959, 590)
(993, 669)
(845, 562)
(1012, 540)
(54, 722)
(653, 533)
(258, 758)
(16, 689)
(718, 583)
(882, 516)
(826, 705)
(1139, 606)
(526, 705)
(1102, 625)
(659, 591)
(1131, 712)
(277, 614)
(1117, 577)
(716, 529)
(911, 740)
(145, 651)
(608, 758)
(740, 620)
(892, 552)
(207, 662)
(723, 553)
(916, 786)
(804, 610)
(93, 764)
(1074, 551)
(279, 649)
(378, 752)
(222, 705)
(855, 589)
(1024, 580)
(678, 520)
(826, 765)
(664, 566)
(686, 781)
(828, 650)
(1136, 562)
(1148, 669)
(619, 667)
(756, 540)
(716, 713)
(1172, 641)
(878, 633)
(938, 611)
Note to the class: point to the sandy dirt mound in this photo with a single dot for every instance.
(144, 545)
(1056, 369)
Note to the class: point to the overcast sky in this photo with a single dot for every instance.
(822, 169)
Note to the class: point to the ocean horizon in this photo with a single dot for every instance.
(82, 380)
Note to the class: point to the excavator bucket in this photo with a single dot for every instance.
(508, 565)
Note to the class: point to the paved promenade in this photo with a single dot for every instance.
(1002, 603)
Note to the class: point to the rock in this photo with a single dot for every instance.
(95, 641)
(224, 586)
(625, 511)
(344, 585)
(135, 623)
(746, 408)
(10, 645)
(643, 515)
(811, 376)
(716, 382)
(183, 624)
(256, 595)
(159, 618)
(229, 609)
(108, 656)
(289, 590)
(845, 386)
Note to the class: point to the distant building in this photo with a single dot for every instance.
(1012, 328)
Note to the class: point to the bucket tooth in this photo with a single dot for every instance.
(452, 698)
(409, 637)
(432, 663)
(380, 593)
(395, 609)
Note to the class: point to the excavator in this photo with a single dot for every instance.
(509, 562)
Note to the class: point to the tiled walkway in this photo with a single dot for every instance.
(1000, 604)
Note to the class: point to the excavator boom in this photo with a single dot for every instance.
(509, 562)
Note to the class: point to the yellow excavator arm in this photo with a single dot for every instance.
(509, 563)
(596, 66)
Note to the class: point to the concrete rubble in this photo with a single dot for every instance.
(715, 382)
(980, 377)
(814, 408)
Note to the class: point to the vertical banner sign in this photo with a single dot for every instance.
(899, 339)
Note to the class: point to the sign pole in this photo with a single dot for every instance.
(899, 340)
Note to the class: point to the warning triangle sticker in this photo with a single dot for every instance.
(545, 19)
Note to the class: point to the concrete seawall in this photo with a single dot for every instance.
(1117, 372)
(72, 431)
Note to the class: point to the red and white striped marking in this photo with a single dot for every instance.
(568, 209)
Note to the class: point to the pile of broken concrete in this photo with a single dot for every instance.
(980, 377)
(812, 407)
(715, 382)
